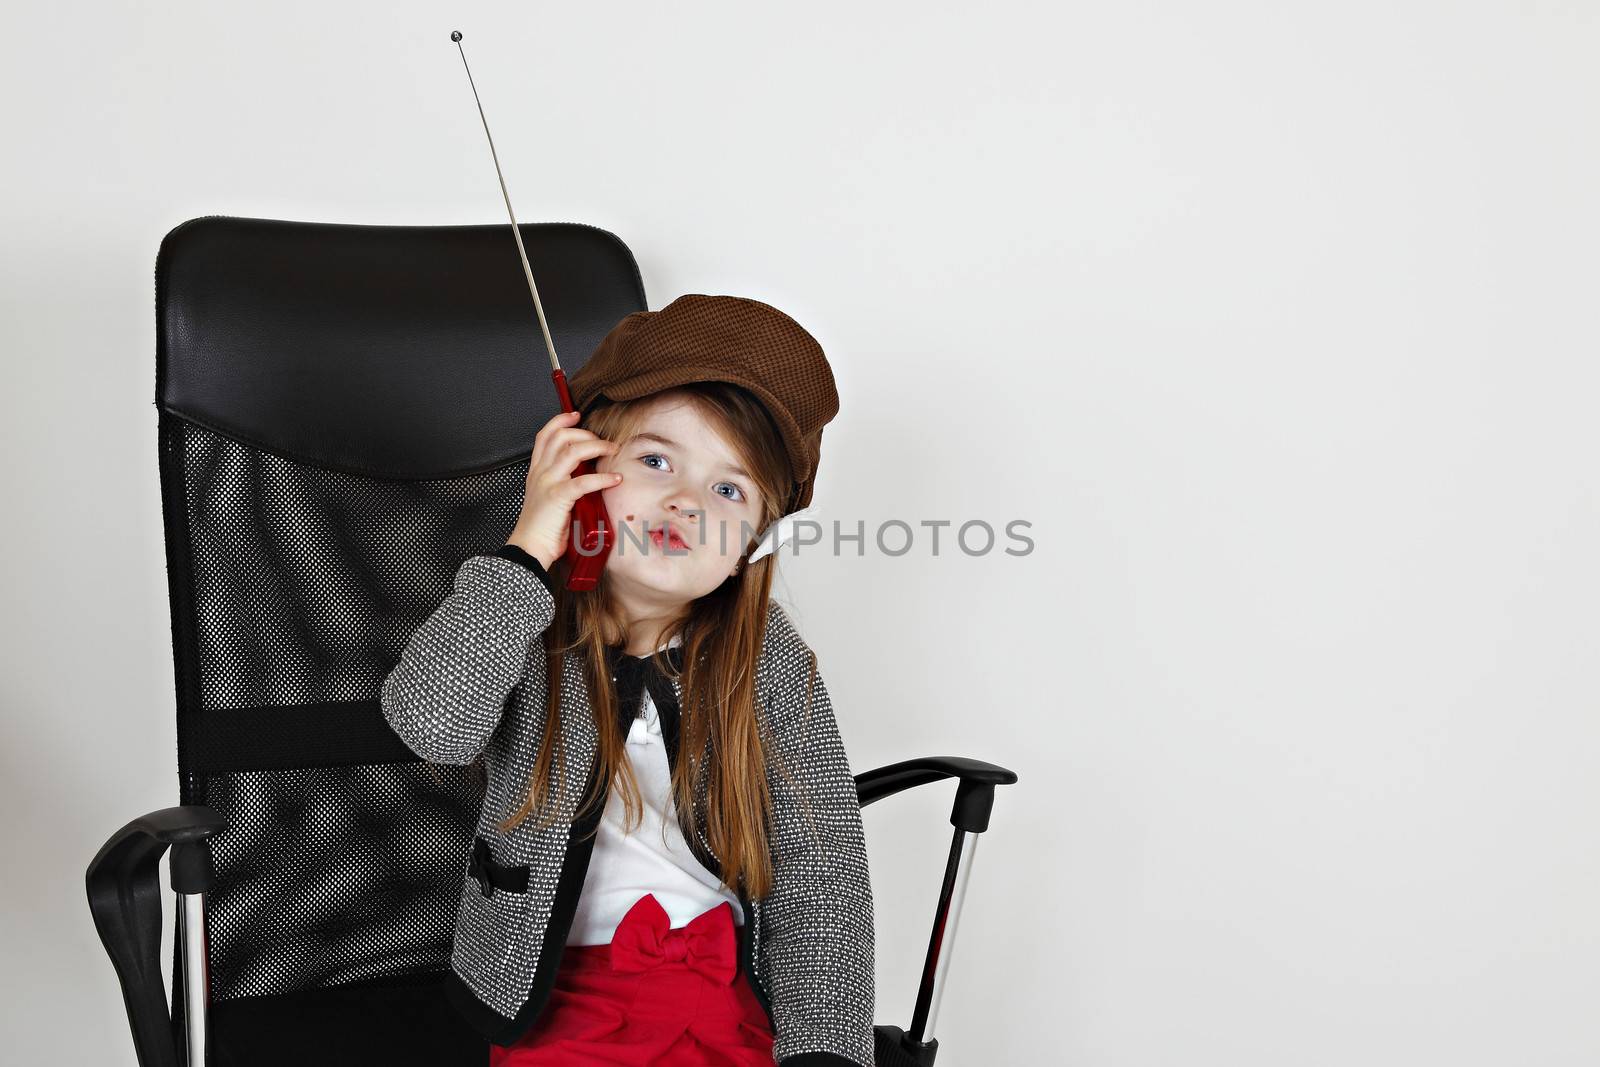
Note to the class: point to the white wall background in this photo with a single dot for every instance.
(1277, 321)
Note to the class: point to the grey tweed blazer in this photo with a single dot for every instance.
(471, 681)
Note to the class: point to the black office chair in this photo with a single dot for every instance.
(345, 414)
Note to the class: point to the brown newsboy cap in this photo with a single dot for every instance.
(700, 338)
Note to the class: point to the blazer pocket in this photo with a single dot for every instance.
(489, 929)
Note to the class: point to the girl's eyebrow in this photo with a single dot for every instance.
(658, 439)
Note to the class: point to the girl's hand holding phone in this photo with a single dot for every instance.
(545, 525)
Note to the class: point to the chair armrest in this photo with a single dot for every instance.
(125, 900)
(974, 796)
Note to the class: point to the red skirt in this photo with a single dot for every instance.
(654, 995)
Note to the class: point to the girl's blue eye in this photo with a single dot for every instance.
(645, 459)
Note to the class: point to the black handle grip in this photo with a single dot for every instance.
(125, 900)
(974, 796)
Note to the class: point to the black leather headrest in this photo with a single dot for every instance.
(385, 351)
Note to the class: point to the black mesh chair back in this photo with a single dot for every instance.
(346, 413)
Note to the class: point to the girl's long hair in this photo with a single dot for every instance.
(719, 733)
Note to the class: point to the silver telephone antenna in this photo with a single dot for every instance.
(550, 346)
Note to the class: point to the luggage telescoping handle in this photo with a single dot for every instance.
(969, 815)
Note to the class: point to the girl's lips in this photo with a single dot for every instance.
(677, 542)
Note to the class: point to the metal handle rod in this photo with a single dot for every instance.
(936, 968)
(196, 974)
(538, 306)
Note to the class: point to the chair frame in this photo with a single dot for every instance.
(122, 879)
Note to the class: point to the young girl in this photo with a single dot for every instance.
(670, 867)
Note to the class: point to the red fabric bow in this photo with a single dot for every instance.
(645, 939)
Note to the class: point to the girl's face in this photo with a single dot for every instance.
(679, 477)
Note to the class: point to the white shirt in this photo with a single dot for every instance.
(655, 858)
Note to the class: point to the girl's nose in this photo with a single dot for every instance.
(684, 502)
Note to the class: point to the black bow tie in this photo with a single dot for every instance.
(630, 674)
